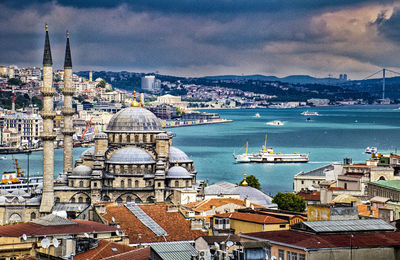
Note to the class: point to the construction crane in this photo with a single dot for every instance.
(87, 126)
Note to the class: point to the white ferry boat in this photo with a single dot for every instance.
(310, 113)
(15, 180)
(276, 122)
(371, 150)
(257, 115)
(267, 155)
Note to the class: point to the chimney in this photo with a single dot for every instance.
(48, 136)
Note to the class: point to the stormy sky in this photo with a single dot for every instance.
(207, 37)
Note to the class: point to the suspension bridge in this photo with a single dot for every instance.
(383, 71)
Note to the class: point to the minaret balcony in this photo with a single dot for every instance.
(67, 111)
(68, 131)
(48, 136)
(48, 114)
(47, 91)
(68, 91)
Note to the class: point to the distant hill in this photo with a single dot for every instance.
(293, 79)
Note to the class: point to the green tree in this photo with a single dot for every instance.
(14, 81)
(101, 84)
(289, 201)
(252, 181)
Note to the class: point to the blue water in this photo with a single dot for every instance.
(338, 132)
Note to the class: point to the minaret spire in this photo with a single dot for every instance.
(68, 60)
(47, 60)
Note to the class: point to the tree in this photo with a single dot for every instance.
(14, 82)
(289, 201)
(101, 84)
(252, 181)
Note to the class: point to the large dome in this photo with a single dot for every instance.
(134, 119)
(131, 155)
(178, 172)
(82, 170)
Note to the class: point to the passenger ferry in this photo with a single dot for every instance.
(276, 122)
(267, 155)
(309, 113)
(370, 150)
(15, 180)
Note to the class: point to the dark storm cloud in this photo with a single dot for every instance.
(389, 27)
(194, 37)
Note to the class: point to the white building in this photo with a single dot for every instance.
(150, 83)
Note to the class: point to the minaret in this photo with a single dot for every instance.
(48, 136)
(67, 110)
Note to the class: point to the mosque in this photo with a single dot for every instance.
(134, 160)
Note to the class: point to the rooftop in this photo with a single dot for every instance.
(251, 217)
(105, 250)
(341, 226)
(174, 250)
(205, 205)
(310, 241)
(317, 172)
(392, 184)
(169, 221)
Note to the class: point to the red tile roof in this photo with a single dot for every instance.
(103, 250)
(138, 254)
(177, 227)
(309, 241)
(32, 229)
(310, 196)
(200, 206)
(251, 217)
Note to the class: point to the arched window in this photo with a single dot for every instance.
(136, 183)
(56, 199)
(120, 138)
(122, 184)
(138, 200)
(72, 184)
(87, 200)
(128, 199)
(144, 138)
(176, 183)
(106, 198)
(150, 199)
(129, 183)
(73, 200)
(136, 138)
(15, 218)
(119, 200)
(81, 184)
(187, 183)
(33, 215)
(80, 199)
(128, 138)
(381, 178)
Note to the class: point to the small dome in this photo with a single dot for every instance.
(162, 136)
(177, 155)
(134, 119)
(82, 170)
(345, 198)
(178, 172)
(89, 151)
(101, 135)
(131, 155)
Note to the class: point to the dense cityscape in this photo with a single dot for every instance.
(149, 169)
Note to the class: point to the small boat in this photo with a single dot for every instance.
(15, 180)
(308, 119)
(3, 158)
(370, 150)
(276, 122)
(310, 113)
(267, 155)
(257, 115)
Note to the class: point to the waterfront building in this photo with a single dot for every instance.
(27, 126)
(171, 100)
(147, 82)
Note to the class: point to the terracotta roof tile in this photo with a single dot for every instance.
(200, 206)
(32, 229)
(310, 196)
(138, 254)
(250, 217)
(308, 240)
(364, 211)
(177, 227)
(104, 249)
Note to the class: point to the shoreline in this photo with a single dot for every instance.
(219, 121)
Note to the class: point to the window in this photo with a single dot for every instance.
(95, 184)
(281, 254)
(129, 183)
(302, 182)
(81, 184)
(282, 226)
(73, 200)
(137, 184)
(268, 253)
(122, 184)
(287, 255)
(128, 199)
(87, 200)
(176, 183)
(345, 186)
(294, 256)
(80, 199)
(33, 215)
(302, 257)
(159, 184)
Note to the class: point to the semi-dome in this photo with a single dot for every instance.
(131, 155)
(177, 155)
(82, 170)
(178, 172)
(134, 119)
(89, 151)
(345, 198)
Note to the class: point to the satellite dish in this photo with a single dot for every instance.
(113, 219)
(229, 243)
(118, 226)
(45, 242)
(55, 242)
(86, 235)
(117, 232)
(24, 237)
(216, 245)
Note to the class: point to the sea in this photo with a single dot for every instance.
(336, 133)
